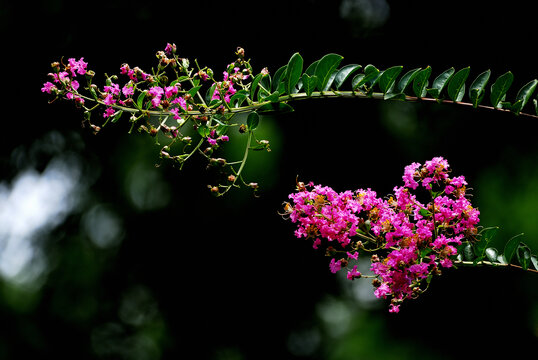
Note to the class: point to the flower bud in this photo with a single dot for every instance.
(231, 178)
(90, 74)
(55, 66)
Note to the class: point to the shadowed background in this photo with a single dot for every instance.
(104, 255)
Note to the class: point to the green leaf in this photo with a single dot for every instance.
(440, 82)
(468, 252)
(272, 97)
(500, 87)
(140, 99)
(421, 82)
(117, 116)
(309, 83)
(278, 77)
(330, 82)
(492, 254)
(524, 95)
(476, 91)
(388, 77)
(368, 79)
(293, 73)
(237, 99)
(456, 84)
(264, 87)
(534, 261)
(523, 255)
(425, 212)
(406, 80)
(209, 93)
(343, 74)
(194, 90)
(203, 130)
(253, 120)
(511, 247)
(486, 235)
(311, 70)
(254, 85)
(274, 108)
(325, 68)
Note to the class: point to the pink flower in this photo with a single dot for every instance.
(128, 90)
(170, 91)
(108, 112)
(170, 49)
(77, 66)
(175, 112)
(335, 266)
(109, 100)
(181, 101)
(394, 308)
(353, 274)
(48, 87)
(409, 174)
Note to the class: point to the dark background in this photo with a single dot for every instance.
(185, 275)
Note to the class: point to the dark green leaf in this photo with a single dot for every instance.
(203, 130)
(209, 93)
(388, 77)
(406, 80)
(511, 247)
(311, 70)
(486, 235)
(476, 91)
(253, 120)
(273, 108)
(140, 99)
(117, 116)
(293, 73)
(194, 90)
(278, 77)
(534, 261)
(492, 254)
(237, 99)
(368, 79)
(254, 85)
(325, 68)
(309, 83)
(500, 87)
(524, 95)
(357, 79)
(272, 97)
(523, 255)
(421, 82)
(468, 252)
(344, 73)
(456, 84)
(440, 82)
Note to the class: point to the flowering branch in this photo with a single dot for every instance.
(411, 242)
(163, 101)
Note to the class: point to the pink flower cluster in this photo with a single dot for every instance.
(226, 88)
(410, 241)
(66, 79)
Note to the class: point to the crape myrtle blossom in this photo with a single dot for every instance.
(408, 241)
